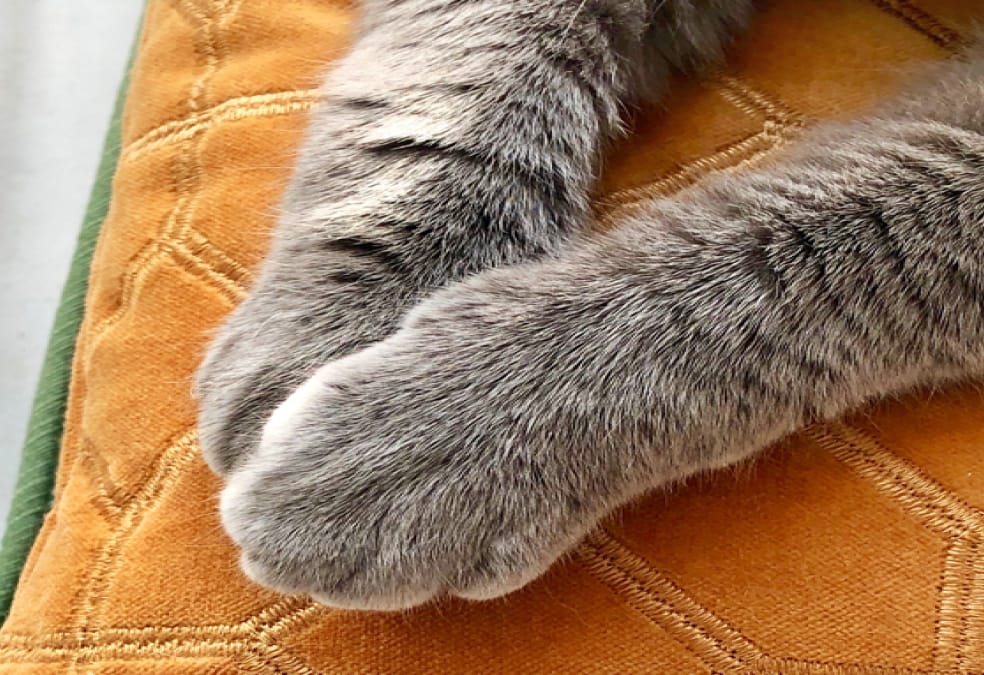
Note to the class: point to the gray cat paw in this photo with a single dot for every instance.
(409, 471)
(268, 347)
(241, 380)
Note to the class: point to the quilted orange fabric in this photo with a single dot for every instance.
(854, 547)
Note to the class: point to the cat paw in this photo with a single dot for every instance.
(242, 379)
(426, 465)
(269, 345)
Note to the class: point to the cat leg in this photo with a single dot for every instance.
(511, 411)
(455, 137)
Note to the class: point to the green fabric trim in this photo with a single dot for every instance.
(39, 459)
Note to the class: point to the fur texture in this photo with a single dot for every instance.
(468, 450)
(457, 137)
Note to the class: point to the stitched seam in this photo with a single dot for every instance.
(753, 102)
(780, 124)
(909, 486)
(790, 666)
(186, 177)
(266, 645)
(111, 497)
(270, 618)
(974, 647)
(168, 642)
(648, 592)
(615, 565)
(936, 509)
(199, 246)
(242, 107)
(137, 270)
(284, 610)
(135, 637)
(159, 649)
(212, 18)
(175, 457)
(922, 22)
(104, 499)
(231, 290)
(951, 623)
(734, 156)
(967, 588)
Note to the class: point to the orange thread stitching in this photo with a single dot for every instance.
(905, 483)
(951, 619)
(162, 642)
(737, 155)
(129, 636)
(716, 643)
(781, 123)
(922, 22)
(669, 606)
(158, 649)
(936, 508)
(269, 617)
(752, 101)
(105, 499)
(191, 263)
(265, 644)
(169, 466)
(200, 246)
(239, 108)
(974, 646)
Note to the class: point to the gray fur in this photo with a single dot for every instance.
(458, 136)
(468, 450)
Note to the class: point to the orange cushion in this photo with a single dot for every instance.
(853, 546)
